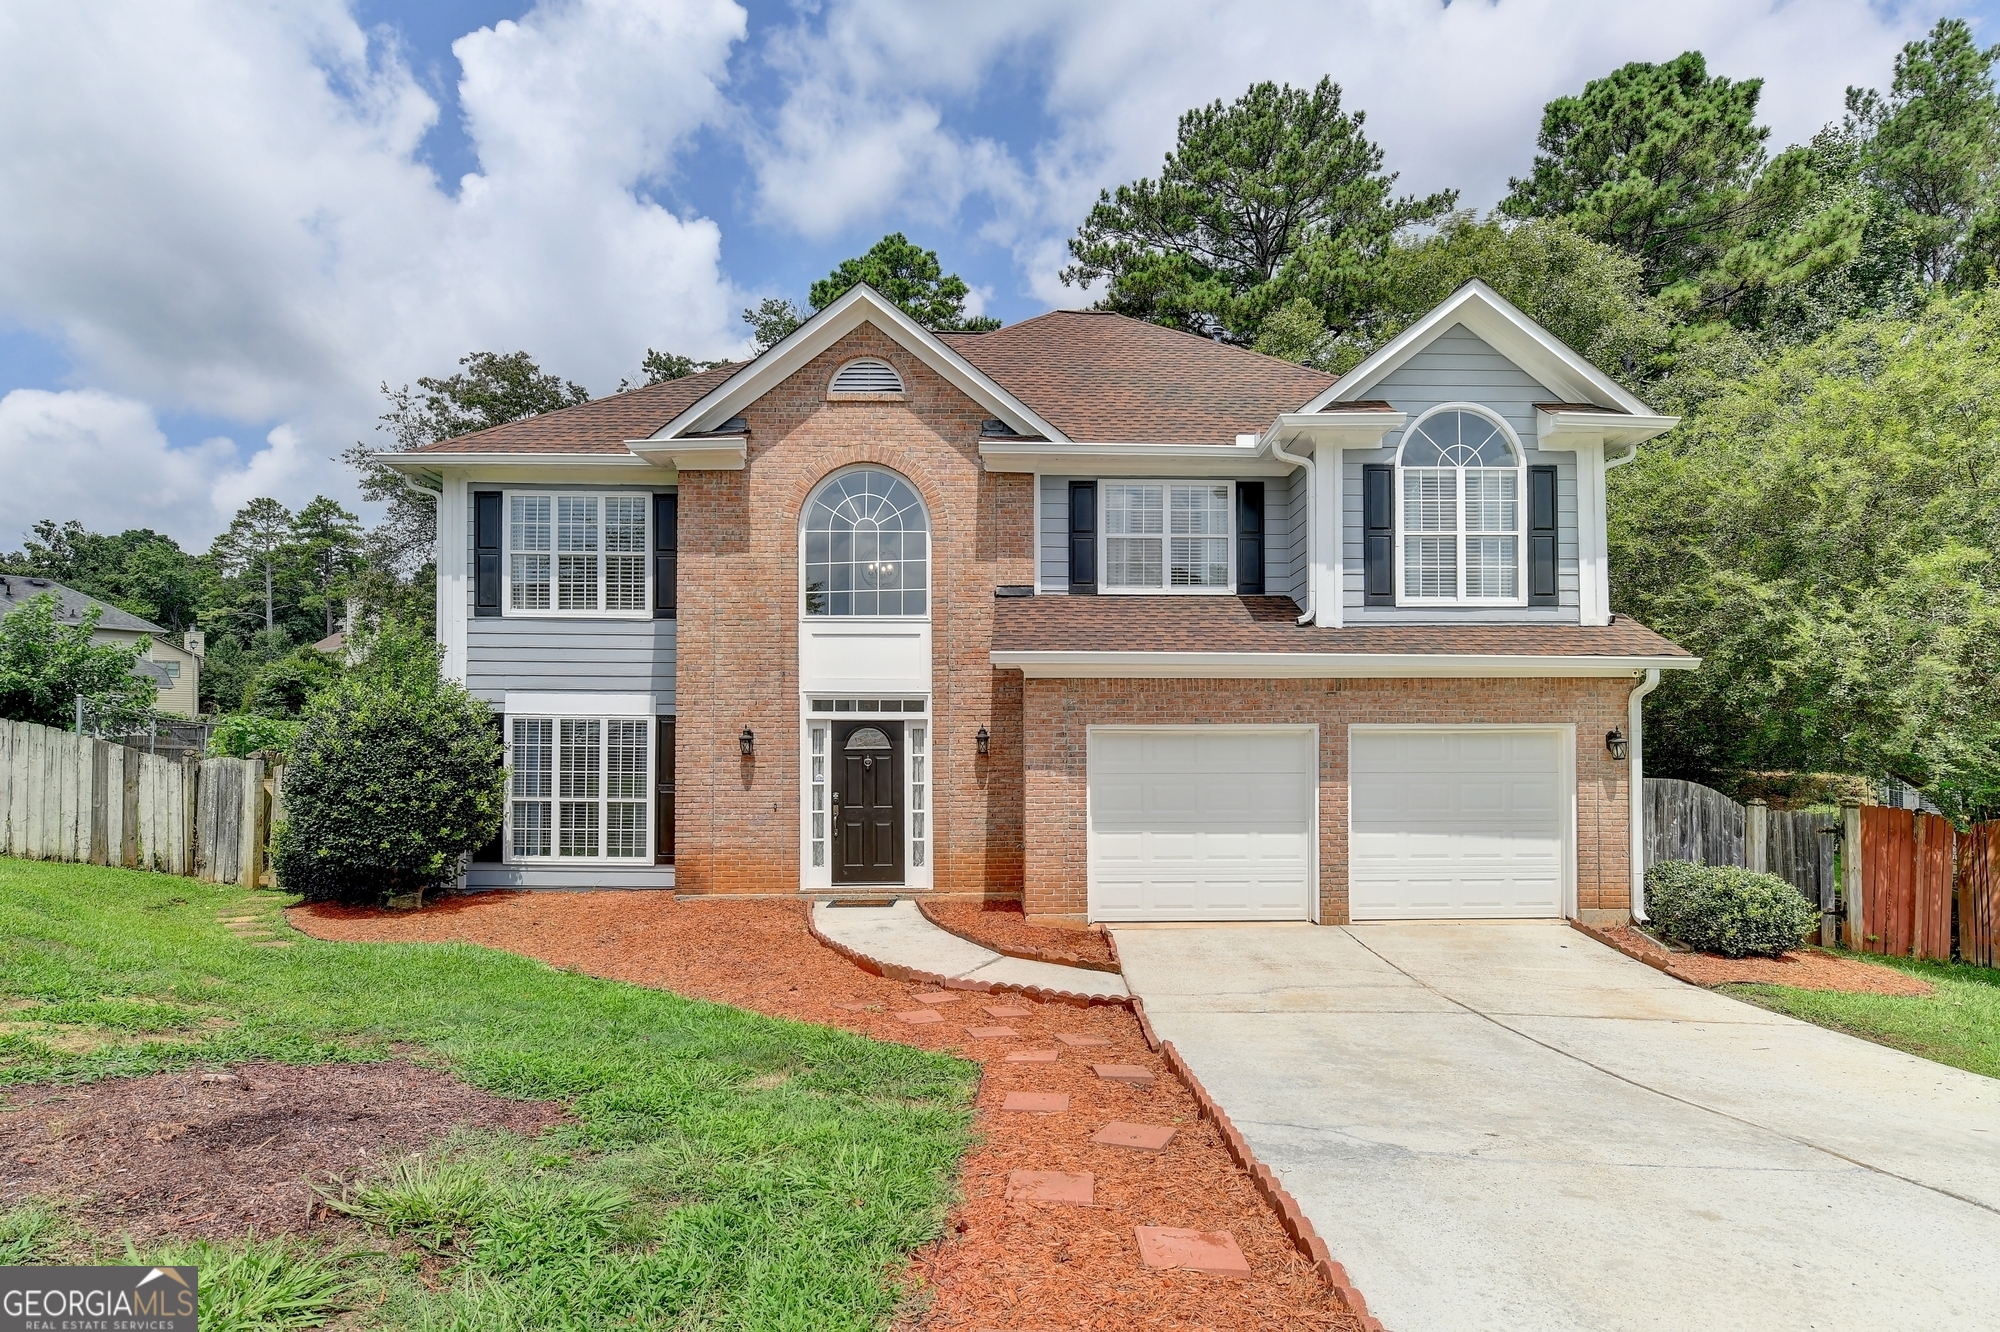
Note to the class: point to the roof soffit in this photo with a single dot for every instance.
(1492, 317)
(861, 304)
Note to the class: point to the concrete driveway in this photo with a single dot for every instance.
(1504, 1125)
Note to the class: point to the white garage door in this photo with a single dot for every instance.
(1202, 823)
(1450, 824)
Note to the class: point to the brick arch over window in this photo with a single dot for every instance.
(865, 538)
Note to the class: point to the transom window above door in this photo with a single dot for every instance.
(1460, 479)
(573, 554)
(867, 547)
(1167, 536)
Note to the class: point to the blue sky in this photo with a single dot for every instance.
(240, 223)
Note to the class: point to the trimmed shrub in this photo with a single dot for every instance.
(1723, 909)
(394, 778)
(242, 734)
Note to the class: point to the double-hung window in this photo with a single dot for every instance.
(1461, 479)
(579, 789)
(1168, 536)
(570, 554)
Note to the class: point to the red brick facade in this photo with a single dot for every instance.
(1060, 713)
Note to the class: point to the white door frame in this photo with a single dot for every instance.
(1565, 732)
(1310, 729)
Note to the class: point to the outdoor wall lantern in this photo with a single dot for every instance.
(1614, 740)
(747, 742)
(985, 742)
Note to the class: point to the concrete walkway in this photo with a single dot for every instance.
(1508, 1125)
(901, 935)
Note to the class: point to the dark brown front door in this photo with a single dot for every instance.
(868, 802)
(663, 795)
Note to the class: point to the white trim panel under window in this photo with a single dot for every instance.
(1167, 536)
(1461, 497)
(580, 790)
(571, 554)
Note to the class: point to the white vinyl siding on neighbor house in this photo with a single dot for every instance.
(1460, 367)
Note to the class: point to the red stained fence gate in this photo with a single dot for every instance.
(1979, 895)
(1907, 868)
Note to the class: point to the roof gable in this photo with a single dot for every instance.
(601, 425)
(1494, 319)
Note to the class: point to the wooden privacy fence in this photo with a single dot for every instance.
(1689, 821)
(1979, 895)
(72, 797)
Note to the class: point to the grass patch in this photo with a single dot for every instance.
(1957, 1024)
(724, 1169)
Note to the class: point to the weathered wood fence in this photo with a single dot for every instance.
(1689, 821)
(71, 797)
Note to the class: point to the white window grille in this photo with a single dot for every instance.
(581, 788)
(1167, 537)
(867, 543)
(1461, 480)
(919, 792)
(579, 555)
(817, 794)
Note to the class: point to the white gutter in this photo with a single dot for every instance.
(1312, 527)
(1635, 751)
(432, 460)
(1039, 665)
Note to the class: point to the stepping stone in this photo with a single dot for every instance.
(1067, 1039)
(857, 1008)
(1008, 1011)
(1051, 1186)
(920, 1015)
(937, 997)
(1212, 1251)
(1138, 1137)
(992, 1033)
(1036, 1103)
(1032, 1057)
(1136, 1074)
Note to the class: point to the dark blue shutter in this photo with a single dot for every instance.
(1083, 537)
(485, 552)
(1378, 535)
(1250, 538)
(666, 556)
(1541, 536)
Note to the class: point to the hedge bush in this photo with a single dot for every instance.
(395, 776)
(1723, 909)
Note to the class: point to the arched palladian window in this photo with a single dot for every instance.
(1461, 477)
(867, 547)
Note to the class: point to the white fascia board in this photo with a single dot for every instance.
(1611, 427)
(860, 304)
(1321, 665)
(709, 453)
(1508, 331)
(1092, 459)
(1348, 430)
(434, 463)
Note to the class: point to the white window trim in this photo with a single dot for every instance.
(1520, 513)
(930, 554)
(1104, 587)
(551, 612)
(819, 878)
(555, 799)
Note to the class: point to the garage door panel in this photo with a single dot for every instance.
(1214, 823)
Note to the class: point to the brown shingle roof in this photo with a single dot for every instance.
(600, 426)
(1103, 377)
(1267, 624)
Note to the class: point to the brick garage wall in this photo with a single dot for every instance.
(737, 820)
(1059, 712)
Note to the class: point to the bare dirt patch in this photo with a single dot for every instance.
(176, 1155)
(1801, 969)
(1001, 1264)
(1004, 928)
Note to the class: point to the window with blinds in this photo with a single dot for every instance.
(571, 554)
(580, 789)
(1164, 536)
(1461, 483)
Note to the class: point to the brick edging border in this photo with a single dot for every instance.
(1290, 1218)
(1026, 952)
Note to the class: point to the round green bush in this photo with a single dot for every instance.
(1727, 910)
(391, 783)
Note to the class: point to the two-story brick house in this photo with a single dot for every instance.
(1136, 625)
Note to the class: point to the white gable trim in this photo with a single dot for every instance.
(859, 305)
(1489, 315)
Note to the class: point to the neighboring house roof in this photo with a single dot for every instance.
(1109, 378)
(599, 426)
(15, 589)
(156, 671)
(333, 642)
(1262, 625)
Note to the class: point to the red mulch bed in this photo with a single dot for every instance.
(175, 1155)
(1001, 1264)
(1802, 969)
(1003, 927)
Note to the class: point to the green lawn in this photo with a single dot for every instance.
(725, 1169)
(1957, 1024)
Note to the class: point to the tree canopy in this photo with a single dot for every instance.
(46, 662)
(912, 277)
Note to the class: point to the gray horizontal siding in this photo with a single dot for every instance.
(583, 656)
(1285, 553)
(1052, 542)
(1461, 367)
(570, 877)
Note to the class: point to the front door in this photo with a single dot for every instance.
(868, 802)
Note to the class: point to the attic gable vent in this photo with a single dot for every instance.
(866, 375)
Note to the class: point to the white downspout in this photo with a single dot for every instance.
(1312, 526)
(1635, 749)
